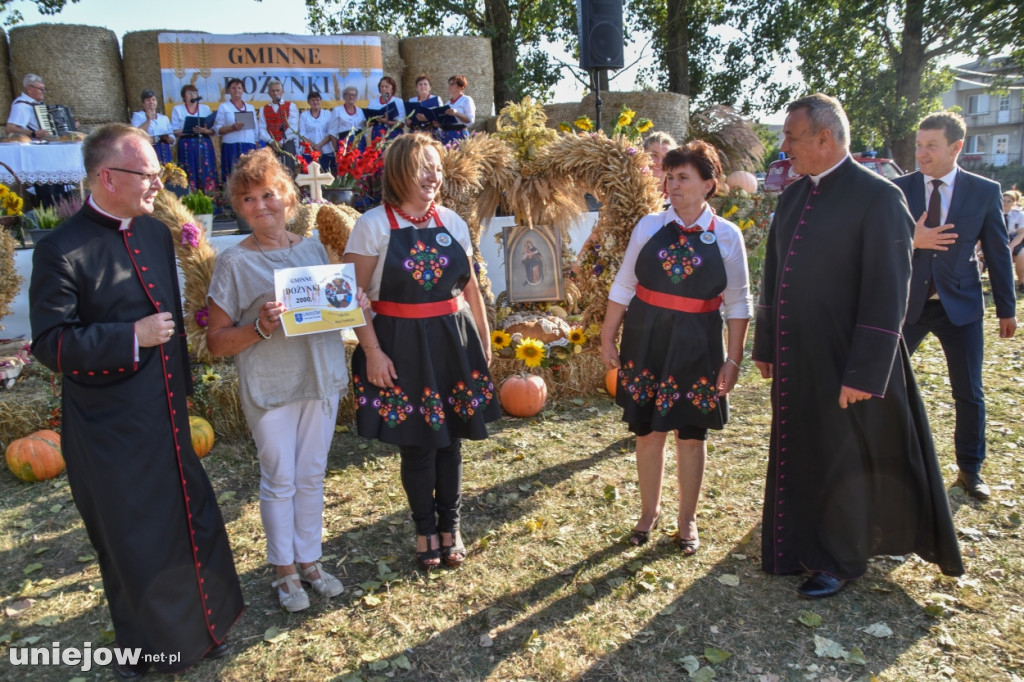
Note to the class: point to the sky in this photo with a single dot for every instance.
(247, 16)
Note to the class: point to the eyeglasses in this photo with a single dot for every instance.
(151, 178)
(40, 88)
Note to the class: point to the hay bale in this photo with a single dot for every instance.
(581, 376)
(566, 111)
(141, 51)
(7, 92)
(394, 66)
(668, 111)
(441, 57)
(81, 66)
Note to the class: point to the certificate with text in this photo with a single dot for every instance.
(318, 298)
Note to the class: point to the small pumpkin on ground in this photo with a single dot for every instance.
(523, 395)
(202, 435)
(35, 457)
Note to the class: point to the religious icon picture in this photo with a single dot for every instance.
(533, 264)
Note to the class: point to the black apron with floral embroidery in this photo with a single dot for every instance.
(669, 359)
(444, 388)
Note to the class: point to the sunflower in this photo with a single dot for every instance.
(530, 351)
(500, 339)
(626, 117)
(731, 211)
(644, 125)
(564, 127)
(577, 336)
(210, 376)
(584, 123)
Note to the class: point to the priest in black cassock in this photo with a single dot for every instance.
(105, 312)
(852, 471)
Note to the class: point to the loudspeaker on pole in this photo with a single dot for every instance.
(600, 33)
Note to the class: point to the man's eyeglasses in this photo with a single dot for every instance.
(150, 178)
(40, 88)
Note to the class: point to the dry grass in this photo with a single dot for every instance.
(549, 582)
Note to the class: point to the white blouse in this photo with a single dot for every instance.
(736, 297)
(161, 126)
(465, 106)
(316, 129)
(179, 112)
(226, 117)
(344, 121)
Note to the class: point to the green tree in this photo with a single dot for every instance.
(884, 62)
(517, 29)
(11, 15)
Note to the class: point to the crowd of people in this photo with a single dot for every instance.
(851, 284)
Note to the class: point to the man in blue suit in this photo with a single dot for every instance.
(957, 210)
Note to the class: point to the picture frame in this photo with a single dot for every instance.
(533, 264)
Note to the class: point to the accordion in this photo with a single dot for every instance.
(55, 119)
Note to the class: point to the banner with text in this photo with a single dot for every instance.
(326, 64)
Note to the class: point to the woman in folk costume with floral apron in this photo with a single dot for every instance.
(685, 269)
(420, 372)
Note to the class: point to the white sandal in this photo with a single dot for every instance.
(295, 599)
(326, 584)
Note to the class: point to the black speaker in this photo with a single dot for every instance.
(600, 31)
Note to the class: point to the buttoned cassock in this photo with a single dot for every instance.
(144, 497)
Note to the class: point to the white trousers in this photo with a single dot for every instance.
(292, 442)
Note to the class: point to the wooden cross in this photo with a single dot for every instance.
(316, 179)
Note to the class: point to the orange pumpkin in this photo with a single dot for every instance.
(202, 435)
(36, 457)
(743, 180)
(523, 395)
(611, 380)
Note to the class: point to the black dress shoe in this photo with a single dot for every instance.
(129, 671)
(973, 485)
(821, 585)
(219, 651)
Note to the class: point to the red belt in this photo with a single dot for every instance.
(680, 303)
(417, 310)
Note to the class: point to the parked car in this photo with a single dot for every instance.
(780, 173)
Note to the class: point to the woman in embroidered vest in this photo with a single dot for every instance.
(461, 107)
(685, 269)
(234, 140)
(420, 372)
(289, 387)
(195, 150)
(387, 88)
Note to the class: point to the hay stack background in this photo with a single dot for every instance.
(394, 65)
(668, 111)
(7, 93)
(142, 66)
(441, 57)
(81, 66)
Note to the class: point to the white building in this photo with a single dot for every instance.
(988, 93)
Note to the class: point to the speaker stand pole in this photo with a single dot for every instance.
(595, 82)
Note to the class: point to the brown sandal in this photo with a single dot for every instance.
(688, 545)
(639, 538)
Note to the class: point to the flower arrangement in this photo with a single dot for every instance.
(534, 353)
(173, 176)
(359, 168)
(626, 124)
(10, 203)
(523, 126)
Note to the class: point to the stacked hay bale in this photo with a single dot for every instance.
(142, 66)
(394, 65)
(441, 57)
(8, 90)
(81, 66)
(668, 111)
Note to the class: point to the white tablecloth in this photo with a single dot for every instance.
(40, 164)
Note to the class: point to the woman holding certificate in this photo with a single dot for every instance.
(195, 149)
(289, 386)
(420, 372)
(236, 125)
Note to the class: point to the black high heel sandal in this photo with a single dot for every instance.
(639, 538)
(454, 554)
(430, 558)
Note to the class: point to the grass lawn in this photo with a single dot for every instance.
(550, 590)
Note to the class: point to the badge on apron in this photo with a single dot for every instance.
(708, 237)
(444, 239)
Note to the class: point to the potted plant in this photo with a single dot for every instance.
(10, 212)
(201, 207)
(41, 220)
(357, 168)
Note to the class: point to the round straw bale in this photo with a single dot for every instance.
(441, 57)
(141, 51)
(7, 94)
(668, 111)
(81, 66)
(394, 66)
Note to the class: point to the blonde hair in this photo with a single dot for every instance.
(262, 169)
(402, 163)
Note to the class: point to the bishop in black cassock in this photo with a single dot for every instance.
(105, 312)
(852, 471)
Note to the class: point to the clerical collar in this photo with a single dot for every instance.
(703, 220)
(817, 178)
(125, 222)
